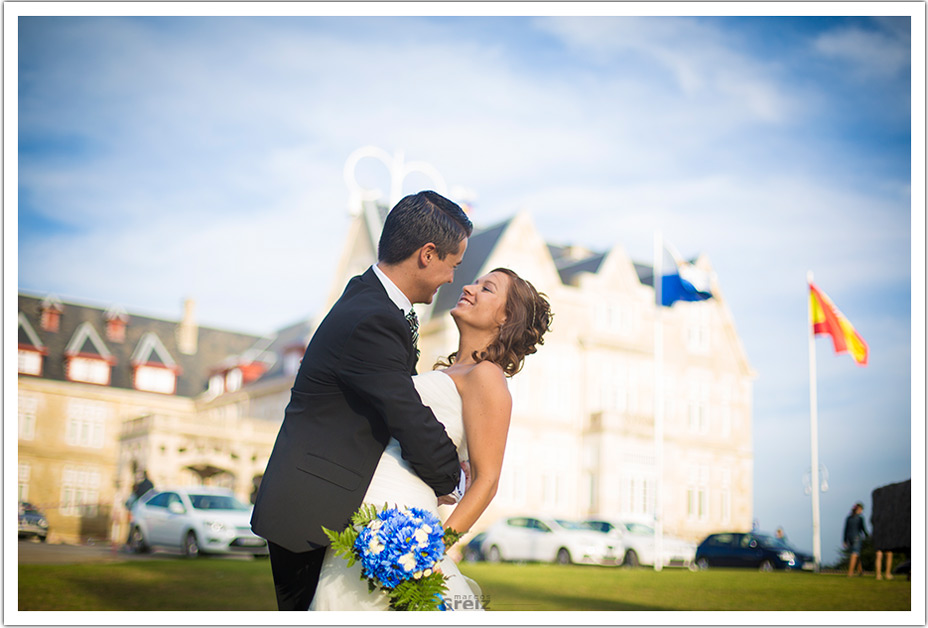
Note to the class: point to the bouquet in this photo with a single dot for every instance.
(398, 550)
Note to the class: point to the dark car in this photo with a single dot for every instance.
(32, 522)
(749, 549)
(472, 551)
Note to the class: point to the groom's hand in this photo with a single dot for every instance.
(463, 485)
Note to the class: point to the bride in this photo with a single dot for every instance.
(500, 318)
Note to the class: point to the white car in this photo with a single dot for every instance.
(549, 540)
(196, 520)
(638, 540)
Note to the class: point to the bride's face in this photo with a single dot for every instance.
(482, 304)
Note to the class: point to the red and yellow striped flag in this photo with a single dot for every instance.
(827, 319)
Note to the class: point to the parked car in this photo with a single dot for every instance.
(549, 540)
(196, 520)
(32, 522)
(752, 549)
(638, 541)
(472, 550)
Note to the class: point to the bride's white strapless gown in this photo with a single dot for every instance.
(396, 484)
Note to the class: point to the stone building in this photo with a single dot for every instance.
(581, 439)
(103, 393)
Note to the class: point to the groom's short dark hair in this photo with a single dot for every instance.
(419, 219)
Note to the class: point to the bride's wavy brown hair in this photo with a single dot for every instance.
(528, 318)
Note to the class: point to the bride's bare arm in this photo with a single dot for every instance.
(487, 408)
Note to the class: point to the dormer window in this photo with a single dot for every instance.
(292, 358)
(116, 321)
(234, 380)
(88, 359)
(31, 349)
(51, 313)
(154, 368)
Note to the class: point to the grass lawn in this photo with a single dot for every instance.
(527, 587)
(225, 585)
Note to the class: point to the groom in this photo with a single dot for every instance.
(354, 391)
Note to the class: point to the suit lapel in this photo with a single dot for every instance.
(371, 280)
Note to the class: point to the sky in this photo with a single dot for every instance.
(168, 157)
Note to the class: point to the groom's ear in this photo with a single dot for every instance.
(427, 254)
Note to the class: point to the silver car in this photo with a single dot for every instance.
(196, 520)
(639, 542)
(550, 540)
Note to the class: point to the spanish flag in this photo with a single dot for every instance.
(827, 319)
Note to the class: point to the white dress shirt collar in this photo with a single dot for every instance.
(396, 295)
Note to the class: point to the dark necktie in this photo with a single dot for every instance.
(413, 321)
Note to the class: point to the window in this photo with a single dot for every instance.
(89, 370)
(550, 489)
(234, 380)
(27, 411)
(725, 495)
(24, 472)
(30, 362)
(80, 491)
(697, 328)
(697, 493)
(292, 359)
(86, 424)
(155, 379)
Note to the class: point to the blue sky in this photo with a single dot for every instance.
(168, 157)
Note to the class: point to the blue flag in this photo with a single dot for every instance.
(681, 281)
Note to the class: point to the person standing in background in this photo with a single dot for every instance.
(854, 532)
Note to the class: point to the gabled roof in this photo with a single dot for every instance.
(213, 345)
(27, 335)
(150, 350)
(568, 269)
(86, 341)
(479, 247)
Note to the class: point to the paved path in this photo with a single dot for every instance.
(35, 553)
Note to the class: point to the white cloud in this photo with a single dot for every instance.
(869, 53)
(699, 56)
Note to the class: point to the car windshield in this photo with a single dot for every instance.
(572, 525)
(771, 541)
(639, 528)
(216, 502)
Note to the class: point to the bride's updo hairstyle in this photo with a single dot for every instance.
(528, 317)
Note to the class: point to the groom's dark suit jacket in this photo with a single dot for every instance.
(352, 393)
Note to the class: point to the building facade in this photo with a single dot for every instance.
(582, 437)
(103, 393)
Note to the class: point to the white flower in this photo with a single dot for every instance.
(427, 573)
(408, 561)
(426, 528)
(417, 575)
(375, 546)
(422, 537)
(375, 525)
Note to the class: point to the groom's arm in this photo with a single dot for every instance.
(374, 366)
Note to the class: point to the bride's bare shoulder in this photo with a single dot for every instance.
(486, 378)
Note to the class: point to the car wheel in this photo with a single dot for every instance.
(631, 559)
(766, 566)
(563, 556)
(137, 541)
(42, 539)
(702, 564)
(494, 556)
(191, 547)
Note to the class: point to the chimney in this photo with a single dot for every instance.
(187, 329)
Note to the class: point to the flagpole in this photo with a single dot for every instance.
(658, 404)
(813, 406)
